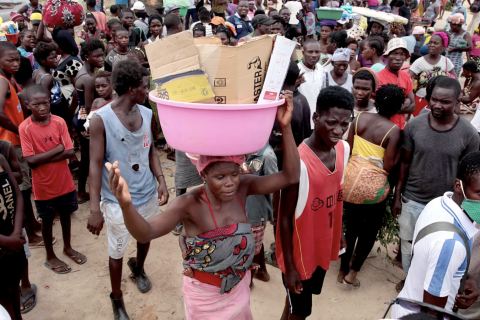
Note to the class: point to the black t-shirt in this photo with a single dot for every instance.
(7, 205)
(406, 13)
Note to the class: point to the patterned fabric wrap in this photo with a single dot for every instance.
(225, 252)
(309, 20)
(258, 233)
(476, 59)
(365, 183)
(426, 75)
(65, 13)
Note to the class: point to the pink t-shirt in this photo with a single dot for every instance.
(476, 45)
(373, 3)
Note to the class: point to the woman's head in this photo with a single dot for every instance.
(92, 52)
(352, 44)
(199, 31)
(340, 60)
(224, 34)
(155, 24)
(336, 40)
(469, 68)
(103, 84)
(374, 27)
(112, 26)
(46, 54)
(121, 37)
(221, 174)
(456, 21)
(389, 99)
(373, 46)
(65, 41)
(27, 39)
(438, 43)
(91, 23)
(364, 84)
(129, 77)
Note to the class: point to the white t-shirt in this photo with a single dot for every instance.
(312, 85)
(421, 65)
(331, 82)
(476, 120)
(192, 4)
(440, 258)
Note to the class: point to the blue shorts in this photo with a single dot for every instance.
(64, 204)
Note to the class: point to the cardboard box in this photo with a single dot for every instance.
(175, 68)
(236, 74)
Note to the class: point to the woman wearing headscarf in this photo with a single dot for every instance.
(338, 76)
(460, 10)
(429, 66)
(460, 41)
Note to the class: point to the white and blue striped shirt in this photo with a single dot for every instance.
(440, 258)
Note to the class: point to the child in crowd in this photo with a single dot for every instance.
(92, 32)
(155, 24)
(115, 10)
(12, 254)
(259, 207)
(120, 51)
(112, 26)
(141, 168)
(46, 146)
(103, 87)
(136, 35)
(199, 31)
(28, 9)
(309, 233)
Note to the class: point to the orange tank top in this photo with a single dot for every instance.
(317, 223)
(13, 110)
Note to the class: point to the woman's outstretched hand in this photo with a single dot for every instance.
(285, 111)
(118, 185)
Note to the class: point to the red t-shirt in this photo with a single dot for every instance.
(49, 180)
(101, 20)
(404, 81)
(317, 223)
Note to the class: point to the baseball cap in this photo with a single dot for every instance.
(397, 43)
(262, 19)
(430, 29)
(138, 6)
(170, 7)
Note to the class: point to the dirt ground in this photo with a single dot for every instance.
(84, 292)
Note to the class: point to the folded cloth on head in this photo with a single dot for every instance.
(204, 161)
(342, 54)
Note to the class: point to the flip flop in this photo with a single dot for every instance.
(41, 244)
(269, 259)
(84, 201)
(74, 258)
(30, 295)
(355, 285)
(54, 269)
(177, 230)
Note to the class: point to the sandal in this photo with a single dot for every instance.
(355, 285)
(23, 300)
(41, 244)
(77, 257)
(54, 269)
(178, 229)
(269, 259)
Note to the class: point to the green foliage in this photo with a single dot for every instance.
(448, 7)
(388, 234)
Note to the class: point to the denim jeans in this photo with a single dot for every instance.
(408, 218)
(191, 13)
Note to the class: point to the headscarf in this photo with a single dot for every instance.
(418, 30)
(444, 37)
(373, 73)
(204, 161)
(332, 23)
(342, 54)
(456, 18)
(464, 24)
(231, 27)
(36, 16)
(65, 40)
(218, 21)
(14, 16)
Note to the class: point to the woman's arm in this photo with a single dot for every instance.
(47, 81)
(142, 230)
(41, 33)
(391, 149)
(291, 168)
(351, 133)
(437, 12)
(473, 94)
(467, 37)
(89, 89)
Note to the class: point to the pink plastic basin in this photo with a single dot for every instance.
(216, 129)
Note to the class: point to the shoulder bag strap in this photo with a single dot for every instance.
(447, 226)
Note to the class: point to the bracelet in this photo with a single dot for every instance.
(160, 175)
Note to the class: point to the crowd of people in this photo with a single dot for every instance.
(374, 122)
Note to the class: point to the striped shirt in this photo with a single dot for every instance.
(440, 258)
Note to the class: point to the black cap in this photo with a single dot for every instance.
(262, 19)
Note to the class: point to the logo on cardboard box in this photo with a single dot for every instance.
(220, 99)
(256, 63)
(220, 82)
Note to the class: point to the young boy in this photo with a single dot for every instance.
(112, 26)
(46, 146)
(125, 118)
(309, 228)
(136, 35)
(121, 50)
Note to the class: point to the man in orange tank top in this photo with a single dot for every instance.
(310, 235)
